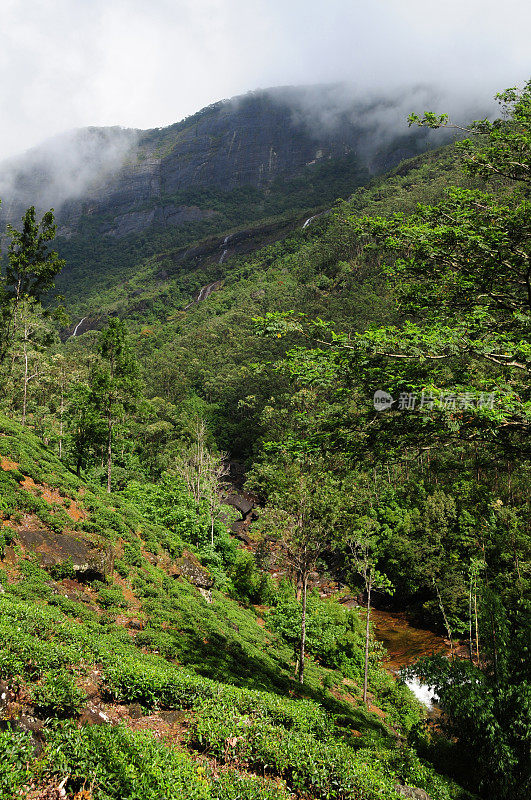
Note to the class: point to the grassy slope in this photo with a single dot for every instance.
(63, 641)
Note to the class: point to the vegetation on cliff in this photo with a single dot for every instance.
(124, 592)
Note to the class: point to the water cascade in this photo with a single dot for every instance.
(74, 333)
(422, 692)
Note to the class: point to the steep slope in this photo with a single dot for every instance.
(130, 178)
(120, 195)
(177, 274)
(119, 671)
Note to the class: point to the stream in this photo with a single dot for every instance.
(405, 644)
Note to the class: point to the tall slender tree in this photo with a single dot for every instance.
(301, 512)
(116, 387)
(30, 272)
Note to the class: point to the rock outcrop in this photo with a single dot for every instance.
(130, 180)
(412, 792)
(87, 561)
(188, 566)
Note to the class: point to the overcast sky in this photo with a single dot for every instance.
(148, 63)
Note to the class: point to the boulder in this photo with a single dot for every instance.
(412, 792)
(207, 594)
(243, 504)
(89, 562)
(188, 566)
(239, 530)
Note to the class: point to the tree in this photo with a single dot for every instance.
(457, 461)
(85, 424)
(30, 272)
(115, 384)
(363, 543)
(203, 471)
(460, 273)
(32, 337)
(301, 511)
(487, 711)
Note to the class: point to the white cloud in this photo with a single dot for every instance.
(68, 63)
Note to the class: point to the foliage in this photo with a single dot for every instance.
(124, 764)
(334, 633)
(431, 497)
(57, 693)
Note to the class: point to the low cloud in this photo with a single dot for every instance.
(73, 63)
(63, 168)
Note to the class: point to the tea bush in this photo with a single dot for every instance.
(57, 693)
(15, 756)
(120, 764)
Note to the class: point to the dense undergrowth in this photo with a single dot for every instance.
(425, 507)
(213, 660)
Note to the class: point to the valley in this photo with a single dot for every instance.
(217, 553)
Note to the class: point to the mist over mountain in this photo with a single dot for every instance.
(62, 168)
(133, 177)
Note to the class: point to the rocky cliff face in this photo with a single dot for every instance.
(123, 182)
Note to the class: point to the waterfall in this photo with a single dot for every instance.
(74, 333)
(315, 216)
(204, 294)
(206, 291)
(422, 692)
(224, 253)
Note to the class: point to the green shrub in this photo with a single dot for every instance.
(57, 693)
(121, 568)
(111, 596)
(65, 569)
(7, 536)
(121, 764)
(15, 754)
(310, 761)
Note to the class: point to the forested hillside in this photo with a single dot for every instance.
(220, 454)
(122, 195)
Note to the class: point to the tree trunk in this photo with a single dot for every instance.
(303, 627)
(476, 622)
(61, 413)
(470, 651)
(367, 638)
(25, 400)
(445, 618)
(109, 450)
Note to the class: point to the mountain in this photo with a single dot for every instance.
(133, 178)
(203, 446)
(122, 194)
